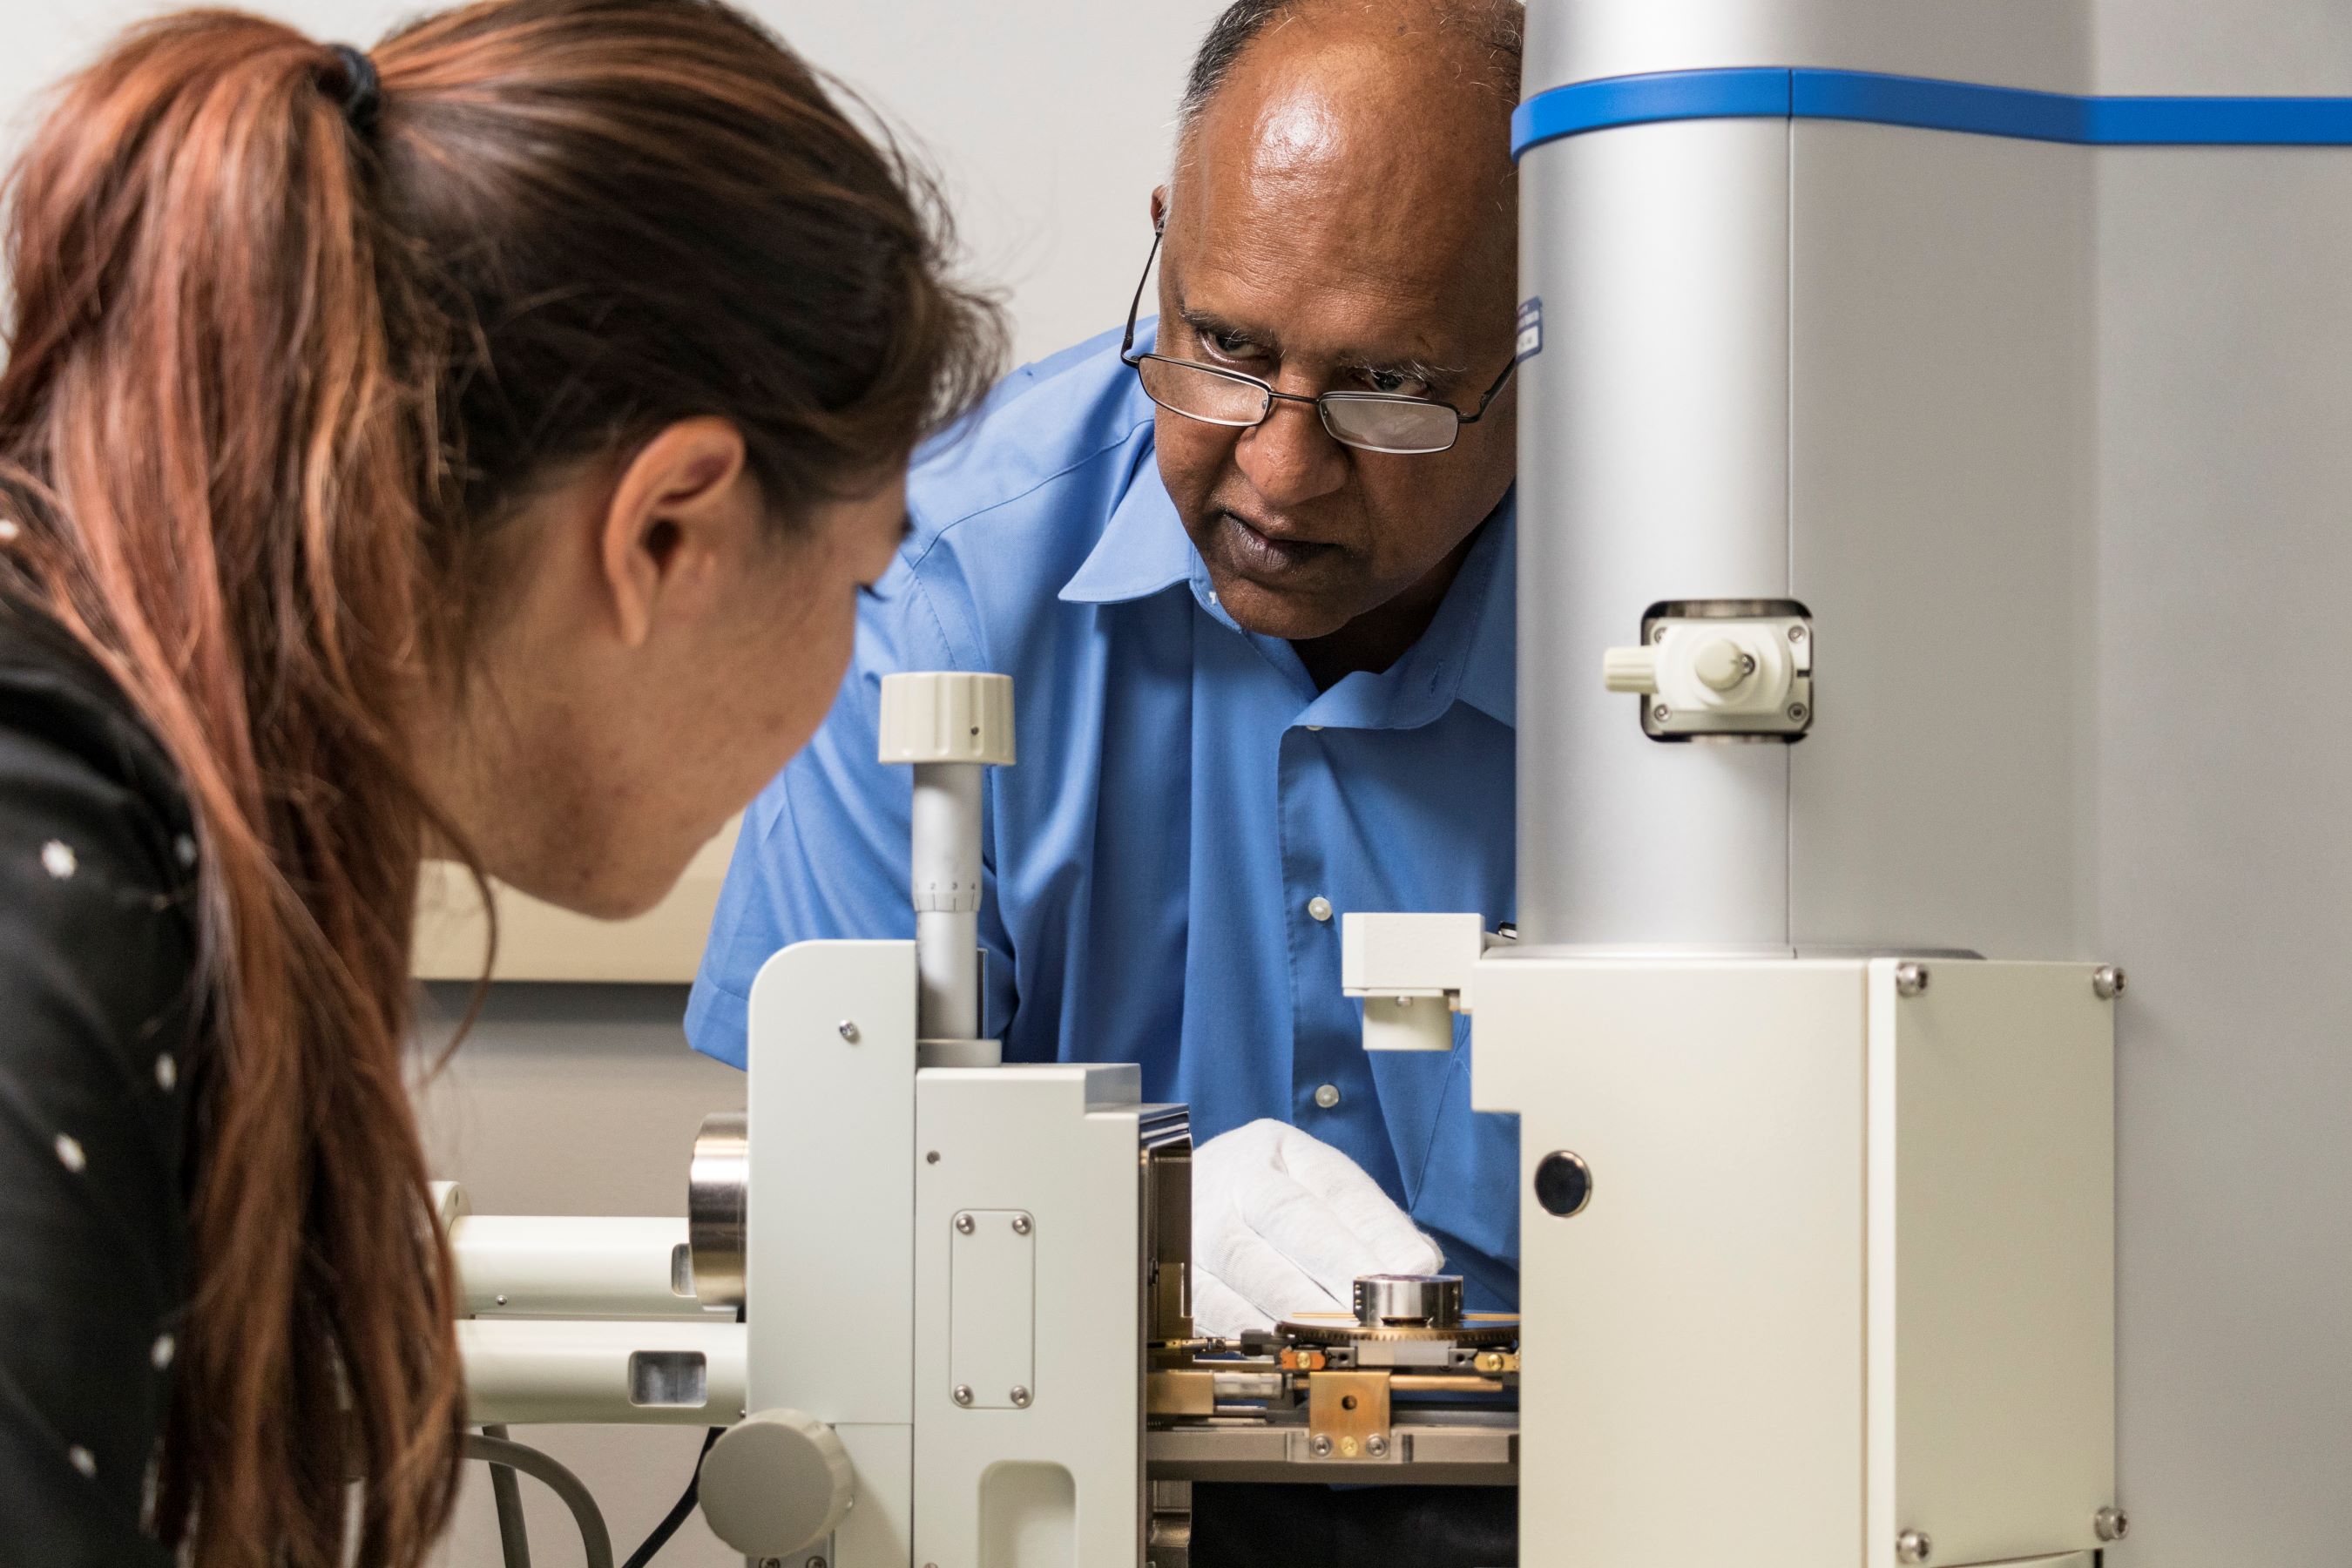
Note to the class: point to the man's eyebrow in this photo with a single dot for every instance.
(1405, 366)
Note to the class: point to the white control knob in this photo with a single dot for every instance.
(1721, 664)
(774, 1483)
(1630, 669)
(947, 716)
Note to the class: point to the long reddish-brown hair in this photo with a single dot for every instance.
(280, 361)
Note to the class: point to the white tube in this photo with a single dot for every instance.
(520, 1372)
(573, 1265)
(946, 890)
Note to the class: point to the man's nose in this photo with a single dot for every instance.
(1291, 458)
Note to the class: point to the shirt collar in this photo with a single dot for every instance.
(1143, 547)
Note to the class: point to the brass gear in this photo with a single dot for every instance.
(1477, 1330)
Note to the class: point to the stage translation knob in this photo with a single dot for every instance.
(1630, 669)
(775, 1483)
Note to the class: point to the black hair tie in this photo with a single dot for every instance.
(362, 89)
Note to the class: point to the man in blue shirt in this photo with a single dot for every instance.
(1254, 582)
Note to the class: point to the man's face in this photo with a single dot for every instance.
(1321, 239)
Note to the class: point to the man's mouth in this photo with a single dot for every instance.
(1258, 553)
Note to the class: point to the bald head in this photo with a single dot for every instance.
(1343, 218)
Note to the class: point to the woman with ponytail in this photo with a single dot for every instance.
(472, 445)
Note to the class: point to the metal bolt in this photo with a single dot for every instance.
(963, 1394)
(1321, 1447)
(1021, 1225)
(848, 1031)
(1376, 1446)
(1912, 1546)
(1910, 979)
(2107, 984)
(1020, 1397)
(1662, 713)
(963, 1224)
(1796, 633)
(1797, 713)
(2111, 1524)
(932, 1158)
(1658, 633)
(502, 1300)
(813, 1562)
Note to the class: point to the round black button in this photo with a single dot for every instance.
(1563, 1183)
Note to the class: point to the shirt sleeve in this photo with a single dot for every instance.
(97, 966)
(824, 851)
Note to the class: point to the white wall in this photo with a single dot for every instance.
(1050, 121)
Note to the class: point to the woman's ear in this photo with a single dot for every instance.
(679, 515)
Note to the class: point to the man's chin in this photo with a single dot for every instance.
(1292, 615)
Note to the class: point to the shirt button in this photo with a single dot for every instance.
(1327, 1096)
(1319, 907)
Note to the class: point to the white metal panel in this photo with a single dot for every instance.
(1941, 445)
(878, 1531)
(1653, 450)
(830, 1240)
(1991, 1209)
(1694, 1338)
(1062, 1144)
(2225, 859)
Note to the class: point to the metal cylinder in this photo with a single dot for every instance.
(1654, 466)
(946, 890)
(646, 1371)
(573, 1265)
(1421, 1300)
(717, 1202)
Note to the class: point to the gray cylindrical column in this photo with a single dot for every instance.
(947, 899)
(1654, 440)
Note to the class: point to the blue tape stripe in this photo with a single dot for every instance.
(1804, 93)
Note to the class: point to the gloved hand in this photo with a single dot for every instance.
(1282, 1223)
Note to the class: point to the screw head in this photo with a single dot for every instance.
(2111, 1524)
(1662, 713)
(1797, 713)
(1910, 979)
(2106, 983)
(1321, 1447)
(502, 1300)
(963, 1394)
(814, 1563)
(1912, 1546)
(963, 1224)
(1796, 633)
(848, 1028)
(1021, 1225)
(1658, 633)
(1376, 1446)
(1020, 1397)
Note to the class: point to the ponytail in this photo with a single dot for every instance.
(223, 456)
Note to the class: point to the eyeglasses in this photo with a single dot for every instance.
(1368, 421)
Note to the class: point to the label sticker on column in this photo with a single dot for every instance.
(1530, 330)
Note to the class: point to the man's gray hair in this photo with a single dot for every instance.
(1500, 25)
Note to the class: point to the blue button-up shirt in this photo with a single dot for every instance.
(1168, 864)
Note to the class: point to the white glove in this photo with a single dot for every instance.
(1282, 1223)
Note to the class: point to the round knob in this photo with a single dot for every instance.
(774, 1483)
(1433, 1299)
(1630, 669)
(1721, 664)
(947, 716)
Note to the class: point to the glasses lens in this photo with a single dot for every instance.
(1201, 392)
(1389, 424)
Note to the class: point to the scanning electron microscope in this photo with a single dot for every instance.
(1822, 390)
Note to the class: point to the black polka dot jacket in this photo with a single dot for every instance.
(98, 1014)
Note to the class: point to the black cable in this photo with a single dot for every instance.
(514, 1535)
(679, 1510)
(595, 1540)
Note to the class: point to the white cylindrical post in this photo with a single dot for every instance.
(949, 726)
(523, 1371)
(947, 899)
